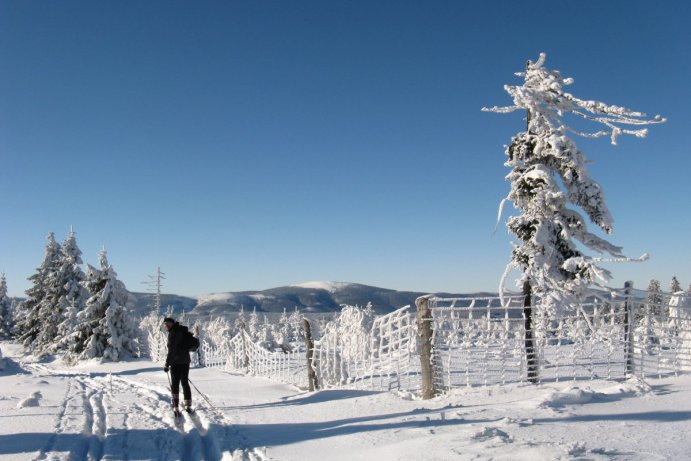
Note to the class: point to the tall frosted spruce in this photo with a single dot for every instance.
(72, 295)
(550, 183)
(38, 315)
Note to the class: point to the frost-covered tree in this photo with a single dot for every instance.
(282, 333)
(649, 322)
(39, 316)
(241, 320)
(295, 322)
(71, 295)
(153, 338)
(654, 299)
(5, 309)
(266, 335)
(253, 325)
(347, 338)
(105, 328)
(550, 183)
(674, 286)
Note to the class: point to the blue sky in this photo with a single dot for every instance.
(245, 145)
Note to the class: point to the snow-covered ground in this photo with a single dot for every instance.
(121, 411)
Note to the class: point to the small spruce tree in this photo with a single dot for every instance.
(105, 328)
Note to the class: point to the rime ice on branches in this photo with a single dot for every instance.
(550, 182)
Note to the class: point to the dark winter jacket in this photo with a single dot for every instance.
(177, 352)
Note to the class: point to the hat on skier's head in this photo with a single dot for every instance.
(168, 319)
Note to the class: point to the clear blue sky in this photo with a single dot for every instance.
(247, 144)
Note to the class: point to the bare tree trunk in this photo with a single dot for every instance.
(628, 329)
(530, 352)
(309, 346)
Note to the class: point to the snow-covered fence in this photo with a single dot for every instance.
(241, 354)
(359, 350)
(481, 341)
(381, 354)
(475, 341)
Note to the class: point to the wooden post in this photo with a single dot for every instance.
(424, 324)
(628, 329)
(530, 352)
(309, 346)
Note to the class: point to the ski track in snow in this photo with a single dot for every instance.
(109, 412)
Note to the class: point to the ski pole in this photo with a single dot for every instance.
(203, 396)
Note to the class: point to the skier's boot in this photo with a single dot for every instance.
(175, 401)
(188, 406)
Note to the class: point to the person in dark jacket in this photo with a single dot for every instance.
(178, 362)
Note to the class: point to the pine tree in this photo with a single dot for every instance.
(5, 309)
(674, 286)
(549, 181)
(105, 328)
(72, 296)
(654, 299)
(37, 318)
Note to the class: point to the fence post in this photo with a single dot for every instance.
(628, 329)
(424, 323)
(530, 353)
(309, 346)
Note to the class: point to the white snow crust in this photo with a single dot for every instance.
(331, 287)
(122, 411)
(214, 298)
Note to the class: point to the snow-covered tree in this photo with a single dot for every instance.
(217, 332)
(241, 320)
(266, 335)
(295, 322)
(5, 309)
(105, 328)
(253, 325)
(283, 331)
(71, 294)
(649, 321)
(153, 338)
(654, 300)
(674, 286)
(39, 316)
(549, 182)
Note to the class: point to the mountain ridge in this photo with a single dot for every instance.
(316, 297)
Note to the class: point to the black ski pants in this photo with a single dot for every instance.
(179, 374)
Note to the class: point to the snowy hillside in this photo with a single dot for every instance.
(121, 411)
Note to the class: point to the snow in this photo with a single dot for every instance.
(215, 298)
(261, 297)
(331, 287)
(120, 411)
(32, 401)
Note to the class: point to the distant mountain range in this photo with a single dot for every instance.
(312, 297)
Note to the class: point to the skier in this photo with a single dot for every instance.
(178, 362)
